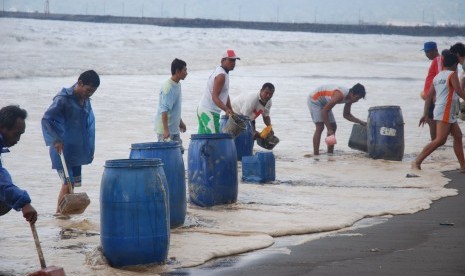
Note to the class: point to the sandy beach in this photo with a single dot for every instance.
(430, 242)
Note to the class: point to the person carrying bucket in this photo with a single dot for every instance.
(447, 89)
(12, 126)
(320, 104)
(168, 121)
(253, 105)
(68, 127)
(216, 96)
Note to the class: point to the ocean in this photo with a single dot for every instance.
(398, 12)
(311, 197)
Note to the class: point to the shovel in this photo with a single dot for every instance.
(51, 270)
(72, 204)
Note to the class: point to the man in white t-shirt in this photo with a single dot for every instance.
(253, 105)
(216, 96)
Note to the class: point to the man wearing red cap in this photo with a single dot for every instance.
(216, 96)
(431, 52)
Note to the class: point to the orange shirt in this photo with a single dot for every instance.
(434, 69)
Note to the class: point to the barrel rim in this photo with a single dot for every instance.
(243, 117)
(211, 136)
(133, 163)
(155, 145)
(384, 107)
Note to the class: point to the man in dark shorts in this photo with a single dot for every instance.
(68, 127)
(431, 52)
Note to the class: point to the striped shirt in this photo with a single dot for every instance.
(323, 94)
(446, 98)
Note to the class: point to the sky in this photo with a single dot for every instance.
(395, 12)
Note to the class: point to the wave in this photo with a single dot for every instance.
(42, 48)
(339, 77)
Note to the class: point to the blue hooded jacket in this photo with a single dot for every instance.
(10, 194)
(67, 121)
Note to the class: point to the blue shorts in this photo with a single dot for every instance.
(74, 176)
(431, 110)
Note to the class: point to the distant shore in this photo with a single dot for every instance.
(269, 26)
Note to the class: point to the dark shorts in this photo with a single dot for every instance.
(74, 176)
(431, 110)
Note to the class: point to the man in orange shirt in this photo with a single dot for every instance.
(431, 52)
(320, 104)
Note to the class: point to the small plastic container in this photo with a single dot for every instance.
(234, 126)
(330, 140)
(259, 168)
(269, 143)
(358, 138)
(265, 132)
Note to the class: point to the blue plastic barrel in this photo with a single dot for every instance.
(212, 169)
(134, 212)
(170, 155)
(244, 142)
(259, 168)
(385, 133)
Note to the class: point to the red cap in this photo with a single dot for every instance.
(230, 54)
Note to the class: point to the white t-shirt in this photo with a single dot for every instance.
(445, 107)
(248, 104)
(206, 103)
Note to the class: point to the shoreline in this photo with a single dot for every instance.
(430, 31)
(429, 242)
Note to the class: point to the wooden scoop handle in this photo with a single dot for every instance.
(65, 170)
(39, 249)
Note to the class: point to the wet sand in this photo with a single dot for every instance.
(430, 242)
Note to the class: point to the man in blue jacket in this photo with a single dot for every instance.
(12, 126)
(68, 127)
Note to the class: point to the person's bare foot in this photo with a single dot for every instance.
(415, 165)
(462, 170)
